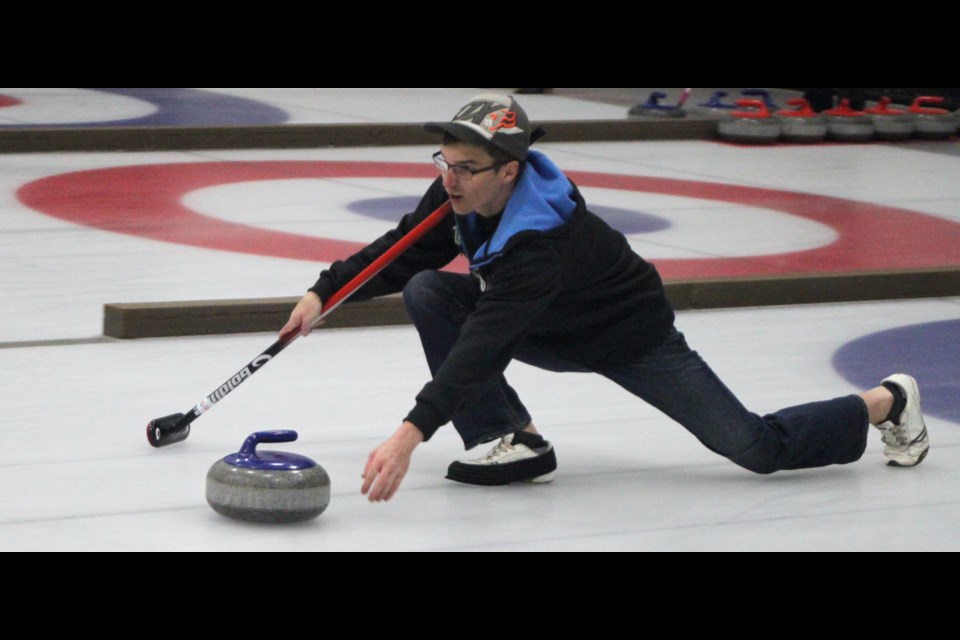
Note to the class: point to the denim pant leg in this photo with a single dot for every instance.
(439, 303)
(677, 381)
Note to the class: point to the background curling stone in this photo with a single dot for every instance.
(932, 123)
(653, 108)
(802, 124)
(750, 127)
(268, 486)
(890, 123)
(846, 124)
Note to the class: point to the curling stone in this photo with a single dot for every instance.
(932, 123)
(890, 123)
(715, 106)
(750, 127)
(802, 124)
(653, 108)
(761, 94)
(268, 486)
(846, 124)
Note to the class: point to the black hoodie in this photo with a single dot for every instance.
(554, 275)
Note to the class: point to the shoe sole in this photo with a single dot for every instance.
(537, 470)
(544, 479)
(894, 463)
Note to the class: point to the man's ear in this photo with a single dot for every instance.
(511, 170)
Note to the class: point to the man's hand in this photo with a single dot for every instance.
(304, 314)
(388, 463)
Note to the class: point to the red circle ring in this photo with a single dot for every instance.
(146, 201)
(9, 101)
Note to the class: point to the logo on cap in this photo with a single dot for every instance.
(502, 120)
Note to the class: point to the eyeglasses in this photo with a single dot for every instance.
(461, 172)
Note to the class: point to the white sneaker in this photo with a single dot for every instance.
(906, 444)
(518, 457)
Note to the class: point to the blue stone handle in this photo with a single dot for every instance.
(716, 102)
(250, 444)
(655, 98)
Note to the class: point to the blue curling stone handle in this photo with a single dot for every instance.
(716, 102)
(249, 458)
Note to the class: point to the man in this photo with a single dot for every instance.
(554, 286)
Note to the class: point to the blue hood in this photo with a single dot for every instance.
(541, 201)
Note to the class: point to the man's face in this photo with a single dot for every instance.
(485, 193)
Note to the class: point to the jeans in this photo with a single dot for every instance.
(673, 378)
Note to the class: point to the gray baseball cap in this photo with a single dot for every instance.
(491, 119)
